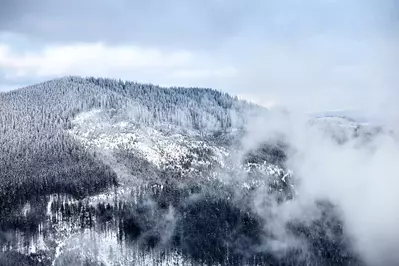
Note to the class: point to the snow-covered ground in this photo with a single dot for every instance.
(95, 131)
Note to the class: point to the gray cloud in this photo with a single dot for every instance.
(193, 23)
(198, 24)
(11, 10)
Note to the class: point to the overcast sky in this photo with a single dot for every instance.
(308, 54)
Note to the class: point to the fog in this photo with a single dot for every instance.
(358, 177)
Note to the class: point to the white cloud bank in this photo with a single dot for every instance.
(361, 180)
(127, 62)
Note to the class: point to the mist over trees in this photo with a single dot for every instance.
(202, 219)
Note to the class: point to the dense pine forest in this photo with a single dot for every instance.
(71, 174)
(38, 158)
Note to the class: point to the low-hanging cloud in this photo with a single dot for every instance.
(360, 178)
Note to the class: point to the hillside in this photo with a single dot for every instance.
(34, 123)
(147, 174)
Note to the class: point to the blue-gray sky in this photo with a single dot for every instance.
(307, 54)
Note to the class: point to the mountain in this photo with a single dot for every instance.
(350, 114)
(344, 129)
(98, 171)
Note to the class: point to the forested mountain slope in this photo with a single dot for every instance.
(105, 172)
(37, 153)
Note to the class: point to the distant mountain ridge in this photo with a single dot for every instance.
(351, 114)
